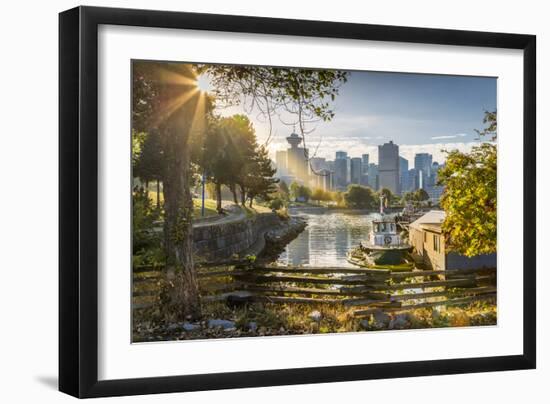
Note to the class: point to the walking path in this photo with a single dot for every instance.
(234, 214)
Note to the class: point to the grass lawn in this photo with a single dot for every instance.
(210, 206)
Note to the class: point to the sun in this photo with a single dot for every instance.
(203, 83)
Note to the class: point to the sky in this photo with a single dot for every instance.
(419, 112)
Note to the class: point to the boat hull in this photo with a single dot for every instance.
(395, 258)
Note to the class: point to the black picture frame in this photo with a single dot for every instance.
(78, 201)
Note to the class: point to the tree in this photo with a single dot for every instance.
(318, 195)
(260, 181)
(149, 165)
(299, 192)
(388, 195)
(166, 98)
(470, 196)
(408, 197)
(338, 197)
(421, 195)
(220, 159)
(294, 189)
(360, 197)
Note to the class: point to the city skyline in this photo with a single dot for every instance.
(420, 112)
(392, 172)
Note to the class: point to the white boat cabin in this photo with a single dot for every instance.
(384, 233)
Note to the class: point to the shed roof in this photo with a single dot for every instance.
(433, 217)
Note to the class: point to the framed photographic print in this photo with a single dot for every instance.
(251, 201)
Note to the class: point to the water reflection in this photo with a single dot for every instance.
(327, 238)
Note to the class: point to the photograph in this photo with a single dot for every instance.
(270, 201)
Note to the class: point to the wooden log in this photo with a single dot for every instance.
(473, 281)
(451, 272)
(224, 272)
(313, 291)
(320, 270)
(298, 279)
(422, 295)
(444, 293)
(151, 278)
(220, 286)
(299, 300)
(450, 302)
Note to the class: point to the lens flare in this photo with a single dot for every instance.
(203, 83)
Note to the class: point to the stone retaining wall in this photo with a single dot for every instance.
(220, 241)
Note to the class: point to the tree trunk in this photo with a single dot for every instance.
(251, 201)
(178, 228)
(219, 197)
(243, 195)
(158, 194)
(234, 193)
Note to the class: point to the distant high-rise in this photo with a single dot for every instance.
(365, 163)
(355, 170)
(403, 174)
(388, 166)
(341, 172)
(326, 180)
(372, 176)
(297, 158)
(317, 164)
(414, 181)
(281, 161)
(341, 155)
(423, 165)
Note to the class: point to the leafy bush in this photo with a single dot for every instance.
(146, 240)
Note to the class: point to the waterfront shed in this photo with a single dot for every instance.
(428, 242)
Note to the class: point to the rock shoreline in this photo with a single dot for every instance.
(278, 238)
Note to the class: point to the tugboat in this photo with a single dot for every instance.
(384, 247)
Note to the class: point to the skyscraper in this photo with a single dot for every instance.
(356, 170)
(404, 184)
(341, 170)
(423, 165)
(341, 155)
(365, 163)
(281, 161)
(388, 166)
(372, 174)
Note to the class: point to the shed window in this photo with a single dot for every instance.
(436, 243)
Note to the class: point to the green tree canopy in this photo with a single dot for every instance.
(165, 97)
(470, 197)
(360, 197)
(421, 195)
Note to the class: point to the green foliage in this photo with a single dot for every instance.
(304, 92)
(276, 204)
(389, 196)
(421, 195)
(148, 164)
(146, 242)
(283, 191)
(360, 197)
(299, 193)
(259, 181)
(321, 195)
(138, 138)
(470, 197)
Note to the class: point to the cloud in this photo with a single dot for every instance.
(449, 136)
